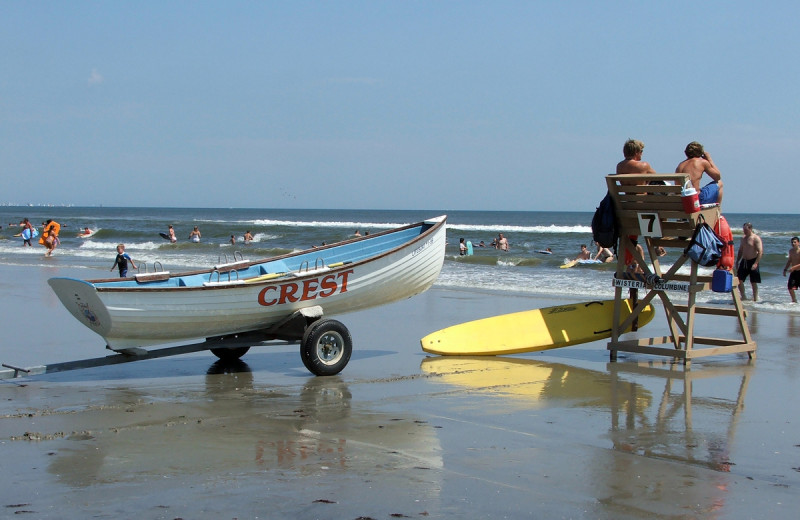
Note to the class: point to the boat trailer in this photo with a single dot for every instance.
(325, 347)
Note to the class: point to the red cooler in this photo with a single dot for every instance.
(690, 198)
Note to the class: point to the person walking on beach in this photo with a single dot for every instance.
(122, 261)
(633, 163)
(793, 267)
(747, 260)
(698, 162)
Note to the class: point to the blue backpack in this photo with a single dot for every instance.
(604, 224)
(705, 248)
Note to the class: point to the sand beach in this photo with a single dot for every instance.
(398, 434)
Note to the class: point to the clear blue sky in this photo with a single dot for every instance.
(391, 104)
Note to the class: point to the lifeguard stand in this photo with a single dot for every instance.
(654, 214)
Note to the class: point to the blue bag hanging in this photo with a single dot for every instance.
(705, 247)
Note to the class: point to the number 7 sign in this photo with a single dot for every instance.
(649, 225)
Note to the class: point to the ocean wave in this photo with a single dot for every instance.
(262, 237)
(325, 224)
(505, 229)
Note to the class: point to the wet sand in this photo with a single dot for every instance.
(398, 434)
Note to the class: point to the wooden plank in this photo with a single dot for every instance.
(715, 311)
(707, 340)
(629, 225)
(717, 351)
(633, 347)
(686, 278)
(643, 342)
(657, 351)
(666, 202)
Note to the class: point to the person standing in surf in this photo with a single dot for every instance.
(748, 259)
(195, 235)
(793, 268)
(122, 261)
(26, 225)
(50, 236)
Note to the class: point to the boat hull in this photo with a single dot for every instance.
(131, 314)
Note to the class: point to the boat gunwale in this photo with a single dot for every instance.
(437, 223)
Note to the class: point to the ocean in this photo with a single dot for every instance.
(521, 270)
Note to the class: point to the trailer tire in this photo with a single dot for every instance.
(230, 354)
(326, 347)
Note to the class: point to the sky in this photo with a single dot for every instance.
(492, 105)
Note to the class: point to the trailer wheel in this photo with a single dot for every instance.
(326, 347)
(230, 354)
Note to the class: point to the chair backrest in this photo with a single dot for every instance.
(633, 196)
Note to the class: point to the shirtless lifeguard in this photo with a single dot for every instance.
(633, 163)
(697, 162)
(793, 268)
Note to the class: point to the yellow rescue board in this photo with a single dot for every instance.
(528, 331)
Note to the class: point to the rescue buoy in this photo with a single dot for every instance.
(723, 231)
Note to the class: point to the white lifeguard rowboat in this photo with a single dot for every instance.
(281, 298)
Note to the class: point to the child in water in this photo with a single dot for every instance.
(122, 261)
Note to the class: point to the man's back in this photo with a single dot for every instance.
(634, 166)
(695, 167)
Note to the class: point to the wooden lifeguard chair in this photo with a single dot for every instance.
(654, 214)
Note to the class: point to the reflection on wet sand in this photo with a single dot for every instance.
(672, 421)
(793, 328)
(692, 424)
(532, 382)
(667, 427)
(233, 426)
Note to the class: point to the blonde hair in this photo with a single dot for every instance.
(632, 147)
